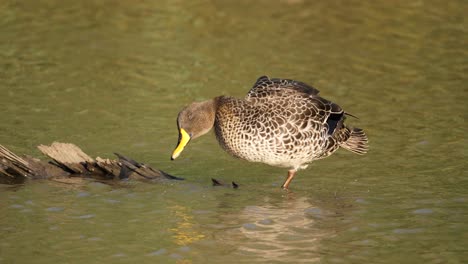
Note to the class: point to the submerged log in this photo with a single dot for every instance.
(216, 182)
(68, 160)
(68, 156)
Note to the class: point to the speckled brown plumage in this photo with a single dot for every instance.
(283, 123)
(280, 122)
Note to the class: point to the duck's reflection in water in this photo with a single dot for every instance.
(284, 230)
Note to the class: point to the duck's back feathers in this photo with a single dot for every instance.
(266, 87)
(292, 96)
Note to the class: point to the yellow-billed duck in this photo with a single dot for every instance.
(281, 122)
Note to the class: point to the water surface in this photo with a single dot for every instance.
(111, 77)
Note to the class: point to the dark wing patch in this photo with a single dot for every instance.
(333, 116)
(265, 86)
(334, 121)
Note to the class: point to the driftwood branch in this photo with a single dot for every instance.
(12, 166)
(67, 155)
(68, 160)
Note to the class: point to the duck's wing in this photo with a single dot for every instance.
(266, 87)
(304, 102)
(330, 114)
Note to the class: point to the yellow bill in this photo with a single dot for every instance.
(184, 138)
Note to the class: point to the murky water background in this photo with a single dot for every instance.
(111, 76)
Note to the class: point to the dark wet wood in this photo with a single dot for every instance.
(69, 161)
(216, 182)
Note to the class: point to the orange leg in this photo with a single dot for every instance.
(291, 174)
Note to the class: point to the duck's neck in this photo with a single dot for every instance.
(208, 110)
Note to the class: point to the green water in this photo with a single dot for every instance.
(111, 76)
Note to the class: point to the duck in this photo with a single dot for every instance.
(280, 122)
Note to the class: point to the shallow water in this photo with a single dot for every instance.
(112, 76)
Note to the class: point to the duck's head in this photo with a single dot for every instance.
(193, 121)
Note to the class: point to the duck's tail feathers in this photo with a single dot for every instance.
(357, 142)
